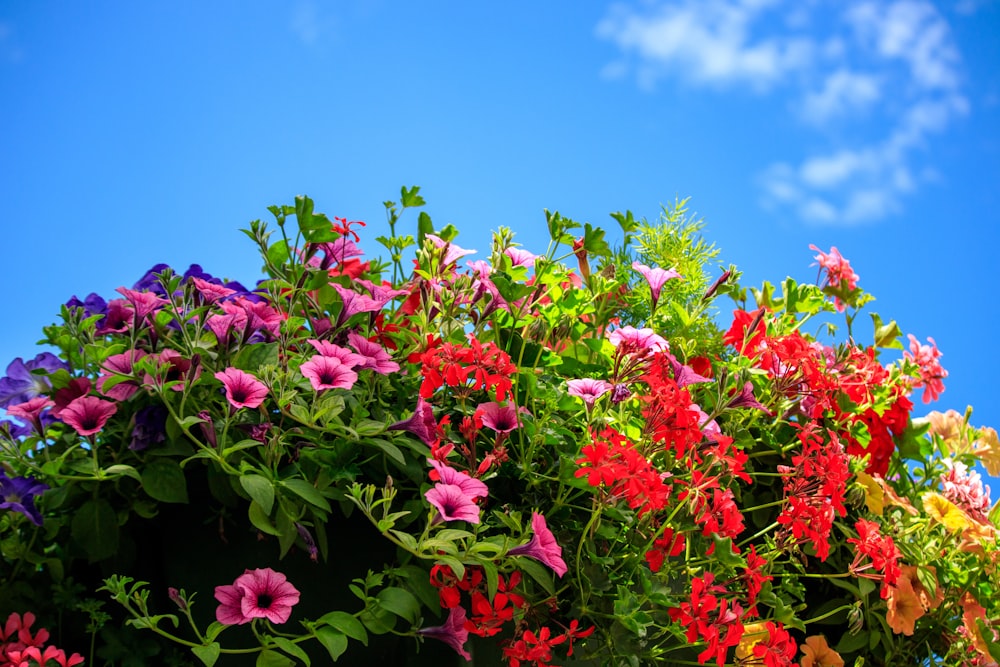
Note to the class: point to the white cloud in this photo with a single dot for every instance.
(888, 67)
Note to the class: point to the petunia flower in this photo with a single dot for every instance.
(210, 292)
(817, 653)
(24, 381)
(452, 253)
(542, 547)
(328, 349)
(88, 414)
(746, 399)
(243, 390)
(453, 632)
(354, 303)
(144, 303)
(375, 355)
(521, 257)
(587, 389)
(18, 494)
(656, 277)
(904, 607)
(420, 424)
(118, 365)
(31, 412)
(328, 373)
(452, 503)
(499, 418)
(260, 593)
(638, 339)
(469, 485)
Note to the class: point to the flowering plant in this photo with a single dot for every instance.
(556, 462)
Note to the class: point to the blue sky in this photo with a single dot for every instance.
(137, 133)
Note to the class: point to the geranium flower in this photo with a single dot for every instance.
(23, 381)
(243, 390)
(328, 373)
(88, 414)
(452, 633)
(839, 274)
(542, 547)
(18, 494)
(452, 503)
(260, 593)
(657, 278)
(931, 371)
(587, 389)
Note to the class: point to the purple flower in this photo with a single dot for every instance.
(119, 365)
(420, 424)
(18, 494)
(500, 418)
(470, 486)
(354, 303)
(638, 339)
(620, 393)
(542, 547)
(656, 278)
(328, 373)
(746, 399)
(375, 356)
(150, 427)
(261, 593)
(452, 633)
(588, 389)
(24, 381)
(452, 504)
(308, 540)
(93, 304)
(685, 375)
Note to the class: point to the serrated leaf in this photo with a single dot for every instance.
(410, 198)
(207, 654)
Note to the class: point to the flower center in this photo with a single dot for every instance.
(264, 601)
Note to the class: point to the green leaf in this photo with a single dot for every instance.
(261, 520)
(887, 335)
(334, 642)
(207, 654)
(424, 227)
(277, 254)
(539, 573)
(260, 489)
(850, 643)
(347, 624)
(95, 529)
(291, 648)
(122, 469)
(164, 480)
(390, 449)
(401, 602)
(307, 492)
(252, 357)
(410, 197)
(368, 427)
(269, 658)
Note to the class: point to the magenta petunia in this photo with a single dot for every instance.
(119, 365)
(588, 389)
(210, 292)
(260, 593)
(328, 373)
(243, 390)
(452, 253)
(328, 349)
(375, 356)
(144, 303)
(542, 546)
(453, 632)
(521, 257)
(88, 414)
(499, 418)
(420, 424)
(638, 339)
(470, 486)
(452, 503)
(354, 303)
(656, 277)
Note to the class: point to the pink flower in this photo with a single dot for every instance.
(931, 371)
(211, 292)
(520, 257)
(261, 593)
(328, 373)
(588, 389)
(88, 414)
(470, 486)
(839, 274)
(328, 349)
(656, 278)
(31, 411)
(144, 303)
(375, 357)
(638, 339)
(118, 365)
(421, 424)
(542, 547)
(452, 503)
(453, 632)
(243, 390)
(500, 418)
(452, 253)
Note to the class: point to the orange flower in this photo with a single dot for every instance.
(904, 607)
(950, 427)
(987, 448)
(927, 601)
(817, 653)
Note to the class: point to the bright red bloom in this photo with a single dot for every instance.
(532, 647)
(880, 549)
(747, 331)
(613, 461)
(488, 618)
(754, 578)
(668, 544)
(779, 649)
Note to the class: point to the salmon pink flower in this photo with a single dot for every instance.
(542, 547)
(88, 414)
(261, 593)
(328, 373)
(931, 371)
(452, 633)
(839, 274)
(243, 390)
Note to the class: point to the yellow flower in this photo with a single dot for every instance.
(946, 512)
(816, 653)
(874, 495)
(753, 634)
(987, 448)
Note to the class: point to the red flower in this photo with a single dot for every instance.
(880, 549)
(779, 649)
